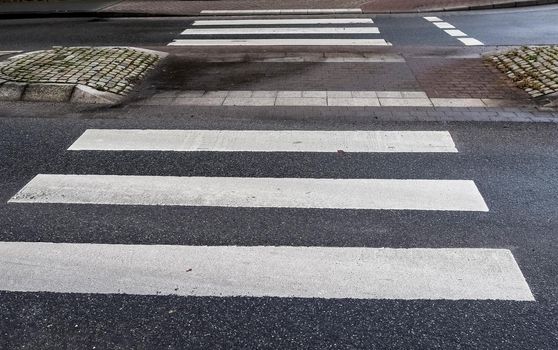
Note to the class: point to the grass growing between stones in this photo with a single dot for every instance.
(534, 69)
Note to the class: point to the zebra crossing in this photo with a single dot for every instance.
(282, 32)
(473, 273)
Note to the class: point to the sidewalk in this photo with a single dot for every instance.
(374, 6)
(193, 8)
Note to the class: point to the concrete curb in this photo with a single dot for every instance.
(62, 92)
(115, 14)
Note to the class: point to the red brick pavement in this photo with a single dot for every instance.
(166, 7)
(462, 78)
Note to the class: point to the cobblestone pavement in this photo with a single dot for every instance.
(534, 69)
(114, 70)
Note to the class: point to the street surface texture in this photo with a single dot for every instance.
(511, 165)
(526, 26)
(193, 223)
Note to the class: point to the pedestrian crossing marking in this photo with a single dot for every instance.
(379, 194)
(263, 271)
(263, 141)
(336, 35)
(281, 30)
(279, 42)
(282, 12)
(285, 21)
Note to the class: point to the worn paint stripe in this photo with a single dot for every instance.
(443, 25)
(274, 31)
(285, 21)
(282, 11)
(280, 42)
(470, 41)
(396, 194)
(264, 141)
(262, 271)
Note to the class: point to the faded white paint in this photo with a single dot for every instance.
(282, 11)
(263, 141)
(458, 195)
(244, 22)
(455, 32)
(470, 41)
(279, 42)
(224, 271)
(284, 30)
(443, 25)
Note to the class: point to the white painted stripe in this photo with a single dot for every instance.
(443, 25)
(263, 271)
(264, 141)
(281, 42)
(470, 41)
(455, 32)
(254, 192)
(264, 31)
(242, 22)
(432, 19)
(281, 11)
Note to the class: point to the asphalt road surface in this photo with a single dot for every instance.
(290, 228)
(520, 26)
(513, 166)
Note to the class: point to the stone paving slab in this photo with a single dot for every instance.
(313, 98)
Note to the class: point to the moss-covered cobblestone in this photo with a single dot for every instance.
(534, 69)
(114, 70)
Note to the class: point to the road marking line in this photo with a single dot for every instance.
(263, 141)
(282, 11)
(432, 19)
(459, 35)
(242, 22)
(443, 25)
(470, 41)
(263, 271)
(266, 31)
(280, 42)
(394, 194)
(455, 32)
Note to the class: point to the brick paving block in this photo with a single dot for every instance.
(457, 102)
(10, 91)
(249, 101)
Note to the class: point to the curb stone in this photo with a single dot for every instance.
(48, 92)
(11, 91)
